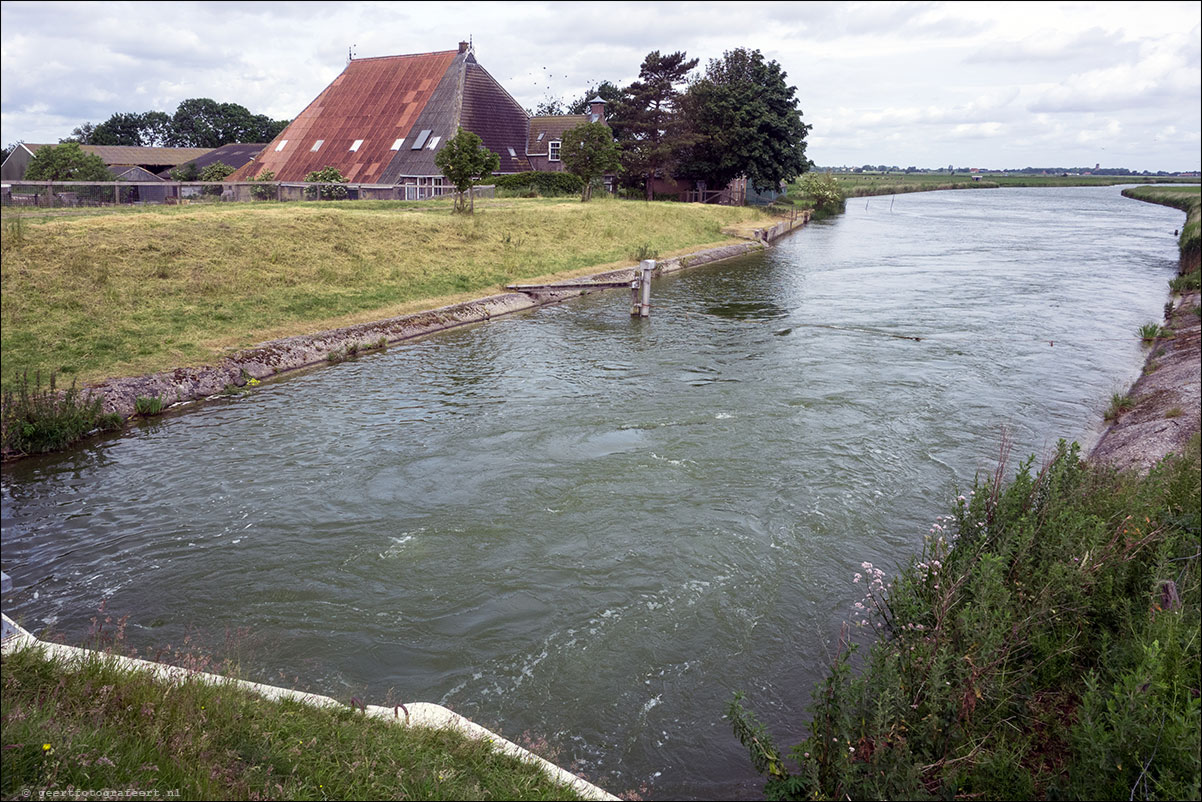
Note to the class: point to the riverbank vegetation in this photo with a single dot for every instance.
(89, 296)
(855, 185)
(1044, 644)
(1189, 200)
(77, 730)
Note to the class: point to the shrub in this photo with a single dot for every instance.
(1151, 332)
(263, 189)
(548, 185)
(1044, 644)
(328, 179)
(1119, 404)
(36, 420)
(147, 407)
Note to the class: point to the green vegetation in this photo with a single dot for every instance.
(95, 726)
(105, 293)
(148, 407)
(466, 162)
(197, 123)
(1044, 645)
(547, 185)
(66, 162)
(1189, 200)
(589, 153)
(1119, 404)
(820, 192)
(855, 185)
(1151, 332)
(328, 180)
(36, 419)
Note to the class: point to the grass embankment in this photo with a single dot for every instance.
(92, 296)
(1189, 200)
(857, 185)
(1044, 645)
(78, 730)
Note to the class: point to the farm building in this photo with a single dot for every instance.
(118, 158)
(382, 121)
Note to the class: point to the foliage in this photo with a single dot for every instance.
(1119, 403)
(328, 178)
(197, 122)
(647, 121)
(35, 420)
(217, 171)
(606, 90)
(465, 162)
(95, 726)
(822, 190)
(263, 188)
(66, 162)
(743, 121)
(188, 171)
(1149, 333)
(545, 184)
(148, 406)
(1044, 644)
(589, 152)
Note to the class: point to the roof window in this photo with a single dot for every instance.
(316, 146)
(434, 140)
(541, 134)
(397, 145)
(355, 146)
(280, 146)
(421, 139)
(512, 153)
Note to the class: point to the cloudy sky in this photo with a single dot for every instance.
(1001, 85)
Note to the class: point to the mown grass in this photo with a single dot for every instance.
(78, 730)
(90, 296)
(1043, 645)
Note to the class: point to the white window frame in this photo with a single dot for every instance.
(317, 146)
(280, 146)
(356, 145)
(553, 148)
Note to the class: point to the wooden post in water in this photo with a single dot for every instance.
(640, 290)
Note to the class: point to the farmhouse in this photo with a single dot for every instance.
(383, 119)
(119, 158)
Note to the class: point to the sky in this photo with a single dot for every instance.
(928, 84)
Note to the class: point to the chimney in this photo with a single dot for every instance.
(596, 110)
(463, 47)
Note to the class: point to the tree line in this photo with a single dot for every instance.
(737, 118)
(197, 123)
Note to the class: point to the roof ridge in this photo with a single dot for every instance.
(405, 55)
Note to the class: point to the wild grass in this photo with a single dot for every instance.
(99, 295)
(1189, 200)
(80, 729)
(36, 419)
(1120, 403)
(1043, 645)
(148, 407)
(1151, 332)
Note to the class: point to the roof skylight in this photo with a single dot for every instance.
(280, 146)
(421, 139)
(316, 146)
(355, 146)
(397, 145)
(434, 140)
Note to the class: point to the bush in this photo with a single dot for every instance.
(328, 178)
(1044, 644)
(36, 420)
(263, 189)
(549, 185)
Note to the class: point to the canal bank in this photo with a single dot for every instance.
(288, 355)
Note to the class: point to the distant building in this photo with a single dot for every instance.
(116, 158)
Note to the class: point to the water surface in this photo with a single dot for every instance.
(594, 529)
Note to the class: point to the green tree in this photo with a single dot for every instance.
(205, 123)
(66, 162)
(646, 120)
(327, 176)
(743, 121)
(465, 161)
(264, 189)
(606, 90)
(217, 171)
(589, 151)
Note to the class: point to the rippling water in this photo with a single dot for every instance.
(594, 529)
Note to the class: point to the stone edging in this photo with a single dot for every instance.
(417, 714)
(278, 357)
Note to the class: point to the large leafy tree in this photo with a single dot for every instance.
(66, 162)
(743, 121)
(646, 120)
(606, 90)
(465, 161)
(589, 151)
(197, 122)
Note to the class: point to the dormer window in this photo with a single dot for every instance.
(553, 150)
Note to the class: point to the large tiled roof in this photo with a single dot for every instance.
(385, 106)
(375, 100)
(550, 128)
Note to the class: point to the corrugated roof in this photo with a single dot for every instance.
(234, 154)
(377, 100)
(551, 127)
(128, 154)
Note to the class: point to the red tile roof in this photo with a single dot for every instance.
(376, 100)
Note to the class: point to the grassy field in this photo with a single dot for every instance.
(865, 184)
(76, 731)
(91, 295)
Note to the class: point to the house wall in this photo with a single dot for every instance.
(15, 165)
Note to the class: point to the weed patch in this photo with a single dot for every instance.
(36, 419)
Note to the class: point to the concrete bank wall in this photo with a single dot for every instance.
(415, 714)
(282, 356)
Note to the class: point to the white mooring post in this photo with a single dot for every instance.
(643, 283)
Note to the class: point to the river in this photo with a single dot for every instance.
(576, 526)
